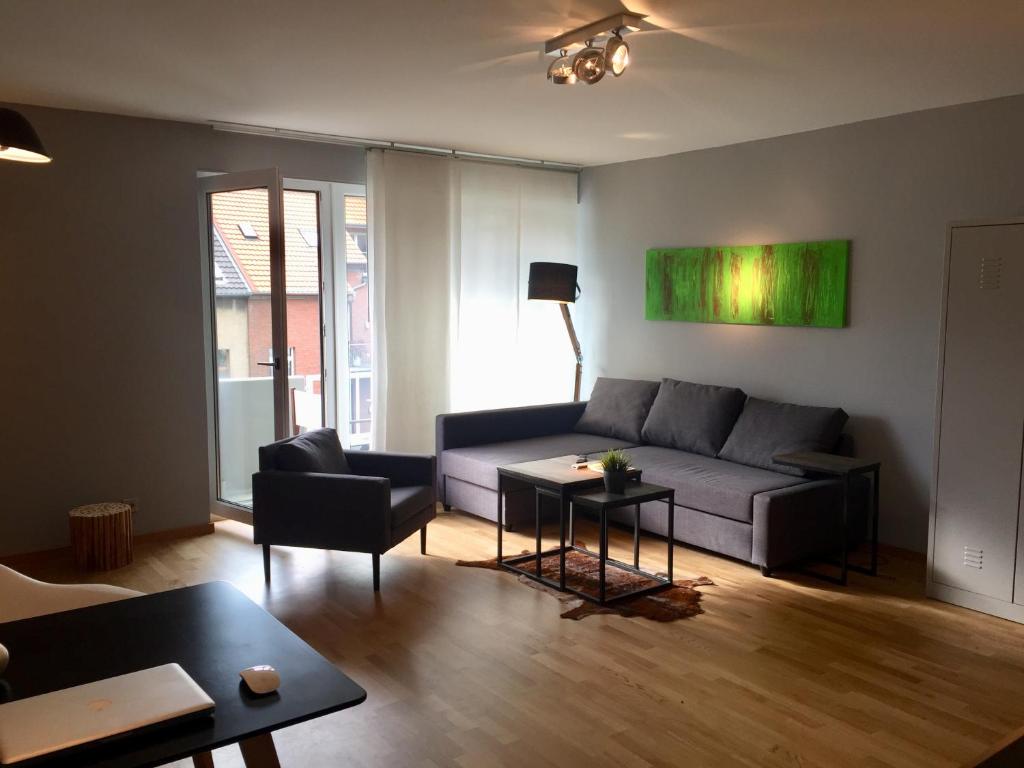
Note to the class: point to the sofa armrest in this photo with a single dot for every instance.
(308, 509)
(461, 430)
(399, 468)
(790, 523)
(804, 520)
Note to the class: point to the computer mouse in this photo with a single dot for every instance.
(261, 679)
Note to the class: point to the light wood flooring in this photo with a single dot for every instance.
(468, 667)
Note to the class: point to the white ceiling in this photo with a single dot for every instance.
(469, 74)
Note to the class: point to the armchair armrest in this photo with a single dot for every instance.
(399, 468)
(308, 509)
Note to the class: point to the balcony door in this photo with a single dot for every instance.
(267, 310)
(286, 307)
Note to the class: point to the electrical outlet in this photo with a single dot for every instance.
(131, 502)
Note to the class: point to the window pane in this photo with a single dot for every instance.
(302, 280)
(242, 328)
(358, 319)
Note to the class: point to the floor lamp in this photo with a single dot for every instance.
(551, 281)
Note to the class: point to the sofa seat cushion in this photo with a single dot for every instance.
(706, 484)
(408, 500)
(479, 464)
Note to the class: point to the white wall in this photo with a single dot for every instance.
(101, 329)
(890, 186)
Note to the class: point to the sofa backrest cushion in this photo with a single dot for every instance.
(318, 450)
(765, 429)
(692, 417)
(618, 408)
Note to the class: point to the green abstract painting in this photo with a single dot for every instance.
(784, 284)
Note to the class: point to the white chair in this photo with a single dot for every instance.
(23, 598)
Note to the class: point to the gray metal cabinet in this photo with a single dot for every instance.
(974, 556)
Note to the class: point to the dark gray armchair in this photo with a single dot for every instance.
(308, 493)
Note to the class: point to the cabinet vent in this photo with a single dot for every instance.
(990, 272)
(973, 557)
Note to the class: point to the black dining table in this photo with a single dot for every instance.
(213, 631)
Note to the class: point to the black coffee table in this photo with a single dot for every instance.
(212, 631)
(555, 478)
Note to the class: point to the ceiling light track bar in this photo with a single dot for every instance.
(626, 21)
(350, 141)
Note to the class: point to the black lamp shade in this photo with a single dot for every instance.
(19, 140)
(551, 281)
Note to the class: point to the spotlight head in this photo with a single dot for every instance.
(616, 54)
(560, 72)
(589, 64)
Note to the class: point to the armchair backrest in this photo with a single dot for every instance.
(268, 453)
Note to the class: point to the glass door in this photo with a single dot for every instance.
(309, 305)
(328, 219)
(250, 360)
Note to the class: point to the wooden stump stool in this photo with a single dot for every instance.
(101, 535)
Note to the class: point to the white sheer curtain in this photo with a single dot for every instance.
(451, 243)
(409, 197)
(507, 350)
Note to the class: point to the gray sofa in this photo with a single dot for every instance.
(712, 445)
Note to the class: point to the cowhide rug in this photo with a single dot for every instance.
(680, 601)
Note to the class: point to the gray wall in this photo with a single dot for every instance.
(101, 317)
(890, 186)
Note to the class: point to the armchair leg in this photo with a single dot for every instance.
(266, 563)
(423, 540)
(376, 572)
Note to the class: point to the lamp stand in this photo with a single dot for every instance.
(575, 348)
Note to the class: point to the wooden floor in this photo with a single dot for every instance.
(468, 667)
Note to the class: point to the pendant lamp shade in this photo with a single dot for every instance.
(552, 281)
(18, 139)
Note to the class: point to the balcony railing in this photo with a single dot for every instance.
(245, 421)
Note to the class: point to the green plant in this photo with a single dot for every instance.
(615, 461)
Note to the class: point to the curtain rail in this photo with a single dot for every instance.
(350, 141)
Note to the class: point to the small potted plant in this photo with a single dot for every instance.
(615, 463)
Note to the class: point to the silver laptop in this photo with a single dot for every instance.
(63, 719)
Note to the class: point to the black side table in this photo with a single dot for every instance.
(556, 479)
(843, 467)
(635, 494)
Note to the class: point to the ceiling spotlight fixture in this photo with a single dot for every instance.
(560, 72)
(616, 54)
(589, 65)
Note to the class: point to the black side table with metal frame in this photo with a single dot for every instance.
(556, 479)
(602, 502)
(843, 467)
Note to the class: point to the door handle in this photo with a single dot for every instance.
(276, 364)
